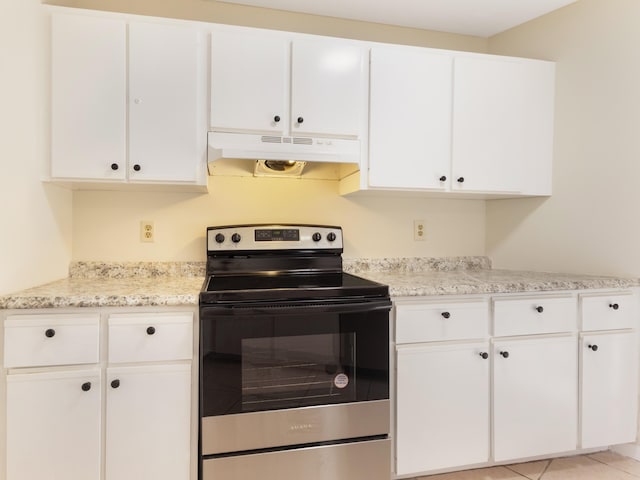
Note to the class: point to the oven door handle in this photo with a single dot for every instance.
(296, 308)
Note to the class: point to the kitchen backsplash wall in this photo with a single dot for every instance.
(107, 224)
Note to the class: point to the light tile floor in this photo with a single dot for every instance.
(597, 466)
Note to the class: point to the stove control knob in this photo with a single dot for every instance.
(331, 237)
(219, 238)
(235, 238)
(316, 237)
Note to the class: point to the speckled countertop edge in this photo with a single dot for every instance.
(132, 284)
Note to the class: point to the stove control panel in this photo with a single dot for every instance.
(273, 237)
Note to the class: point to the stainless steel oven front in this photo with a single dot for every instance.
(295, 390)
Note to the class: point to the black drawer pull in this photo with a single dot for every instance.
(445, 314)
(86, 386)
(49, 332)
(484, 355)
(151, 330)
(504, 354)
(539, 309)
(615, 306)
(115, 383)
(593, 347)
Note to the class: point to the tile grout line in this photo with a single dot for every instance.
(518, 473)
(545, 469)
(611, 465)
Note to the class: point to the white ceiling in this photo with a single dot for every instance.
(482, 18)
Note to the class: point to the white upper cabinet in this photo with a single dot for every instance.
(327, 88)
(459, 122)
(128, 101)
(89, 109)
(249, 82)
(410, 118)
(502, 125)
(251, 91)
(166, 134)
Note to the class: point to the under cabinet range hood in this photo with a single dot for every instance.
(283, 156)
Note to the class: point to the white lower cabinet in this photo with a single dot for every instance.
(148, 422)
(560, 374)
(609, 388)
(53, 425)
(75, 414)
(442, 406)
(535, 396)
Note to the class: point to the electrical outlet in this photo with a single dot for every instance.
(147, 233)
(419, 232)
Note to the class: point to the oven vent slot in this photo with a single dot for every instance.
(271, 139)
(302, 141)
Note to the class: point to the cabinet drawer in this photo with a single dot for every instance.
(429, 322)
(42, 340)
(150, 337)
(609, 311)
(534, 315)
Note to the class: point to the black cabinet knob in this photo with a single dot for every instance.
(86, 386)
(137, 167)
(445, 314)
(331, 236)
(235, 238)
(443, 178)
(151, 330)
(539, 309)
(505, 354)
(115, 383)
(484, 355)
(460, 180)
(114, 166)
(316, 237)
(219, 238)
(593, 347)
(300, 119)
(276, 118)
(49, 332)
(615, 306)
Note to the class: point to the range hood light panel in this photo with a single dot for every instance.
(278, 168)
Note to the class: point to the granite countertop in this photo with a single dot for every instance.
(471, 275)
(99, 284)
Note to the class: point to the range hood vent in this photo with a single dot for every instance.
(302, 150)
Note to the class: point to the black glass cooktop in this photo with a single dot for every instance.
(288, 287)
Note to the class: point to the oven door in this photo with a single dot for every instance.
(293, 365)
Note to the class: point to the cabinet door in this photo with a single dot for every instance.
(166, 106)
(88, 97)
(148, 422)
(442, 407)
(489, 108)
(535, 395)
(249, 82)
(409, 119)
(609, 388)
(328, 88)
(53, 425)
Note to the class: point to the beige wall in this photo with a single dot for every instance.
(35, 219)
(590, 224)
(106, 224)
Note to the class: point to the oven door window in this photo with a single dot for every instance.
(295, 371)
(293, 358)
